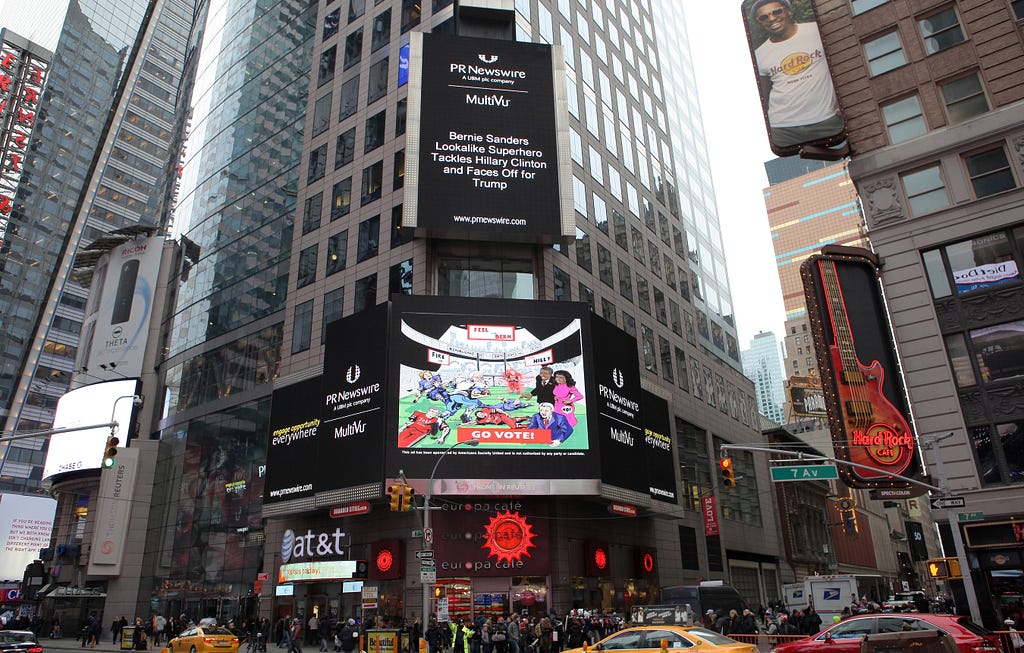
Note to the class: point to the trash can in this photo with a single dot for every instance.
(127, 638)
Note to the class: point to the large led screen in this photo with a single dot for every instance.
(294, 441)
(510, 375)
(862, 382)
(797, 94)
(487, 140)
(80, 449)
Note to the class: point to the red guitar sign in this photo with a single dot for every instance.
(877, 433)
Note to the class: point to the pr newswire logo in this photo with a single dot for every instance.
(488, 58)
(352, 373)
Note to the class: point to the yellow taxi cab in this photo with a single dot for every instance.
(204, 639)
(649, 639)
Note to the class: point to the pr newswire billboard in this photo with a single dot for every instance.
(487, 140)
(512, 375)
(797, 94)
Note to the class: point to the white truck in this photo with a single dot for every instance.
(830, 594)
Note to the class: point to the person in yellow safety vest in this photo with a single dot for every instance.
(460, 635)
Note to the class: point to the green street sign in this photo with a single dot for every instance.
(805, 473)
(971, 516)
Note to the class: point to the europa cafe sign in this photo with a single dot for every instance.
(22, 76)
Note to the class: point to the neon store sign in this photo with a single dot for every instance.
(22, 77)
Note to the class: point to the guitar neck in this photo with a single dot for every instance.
(851, 369)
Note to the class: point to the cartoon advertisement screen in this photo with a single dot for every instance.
(794, 80)
(509, 375)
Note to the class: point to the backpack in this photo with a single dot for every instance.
(498, 633)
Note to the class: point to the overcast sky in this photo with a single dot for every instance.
(733, 126)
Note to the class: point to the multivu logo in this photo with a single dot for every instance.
(621, 435)
(352, 428)
(352, 374)
(488, 58)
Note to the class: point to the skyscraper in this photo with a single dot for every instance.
(100, 160)
(292, 203)
(762, 364)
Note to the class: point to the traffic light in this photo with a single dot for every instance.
(944, 568)
(396, 497)
(728, 474)
(110, 451)
(407, 502)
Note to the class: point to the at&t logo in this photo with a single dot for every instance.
(287, 542)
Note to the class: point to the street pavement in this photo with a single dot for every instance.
(68, 644)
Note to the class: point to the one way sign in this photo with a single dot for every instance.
(942, 503)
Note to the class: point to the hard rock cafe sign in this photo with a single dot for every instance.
(508, 537)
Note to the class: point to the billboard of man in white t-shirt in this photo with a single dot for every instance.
(796, 86)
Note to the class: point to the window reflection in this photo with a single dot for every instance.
(485, 278)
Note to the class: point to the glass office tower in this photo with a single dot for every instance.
(100, 160)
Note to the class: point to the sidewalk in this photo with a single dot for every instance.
(68, 644)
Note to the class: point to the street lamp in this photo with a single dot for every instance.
(428, 538)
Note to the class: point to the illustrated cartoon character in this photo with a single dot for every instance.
(514, 380)
(420, 425)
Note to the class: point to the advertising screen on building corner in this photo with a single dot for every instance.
(511, 375)
(487, 140)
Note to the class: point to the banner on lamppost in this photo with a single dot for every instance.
(710, 513)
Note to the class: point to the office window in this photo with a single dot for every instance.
(307, 266)
(331, 23)
(576, 146)
(562, 285)
(328, 58)
(619, 227)
(579, 195)
(647, 345)
(349, 97)
(586, 295)
(345, 148)
(926, 191)
(600, 213)
(302, 327)
(366, 293)
(321, 114)
(643, 294)
(964, 98)
(903, 119)
(399, 172)
(373, 180)
(381, 30)
(625, 280)
(1018, 8)
(317, 164)
(639, 251)
(334, 304)
(684, 379)
(596, 166)
(960, 361)
(655, 257)
(337, 252)
(341, 198)
(665, 350)
(377, 87)
(670, 272)
(604, 266)
(941, 30)
(583, 259)
(860, 6)
(356, 9)
(400, 278)
(608, 311)
(374, 132)
(311, 213)
(399, 236)
(675, 316)
(410, 14)
(369, 238)
(400, 117)
(989, 171)
(628, 324)
(884, 53)
(438, 6)
(353, 48)
(659, 306)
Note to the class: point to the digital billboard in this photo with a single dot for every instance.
(116, 328)
(510, 375)
(294, 441)
(865, 399)
(26, 524)
(795, 84)
(660, 480)
(99, 403)
(335, 419)
(487, 152)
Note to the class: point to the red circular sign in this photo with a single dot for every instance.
(508, 536)
(384, 560)
(648, 562)
(600, 558)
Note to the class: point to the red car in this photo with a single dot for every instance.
(845, 636)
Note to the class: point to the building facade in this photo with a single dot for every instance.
(934, 95)
(762, 364)
(291, 202)
(101, 159)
